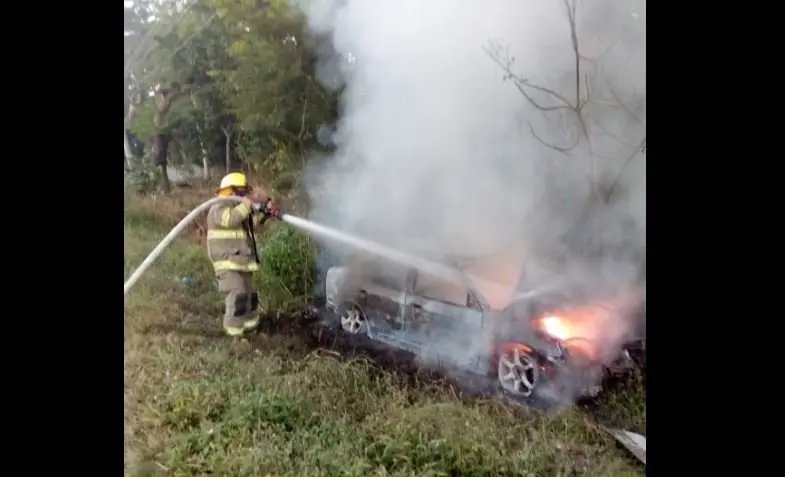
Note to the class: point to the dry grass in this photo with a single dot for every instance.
(199, 404)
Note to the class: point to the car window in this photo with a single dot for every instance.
(434, 288)
(385, 275)
(371, 270)
(394, 279)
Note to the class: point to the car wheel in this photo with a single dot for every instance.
(353, 320)
(518, 371)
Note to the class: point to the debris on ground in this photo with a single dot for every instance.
(633, 442)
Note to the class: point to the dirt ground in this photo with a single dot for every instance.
(286, 403)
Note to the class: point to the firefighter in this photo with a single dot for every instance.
(231, 246)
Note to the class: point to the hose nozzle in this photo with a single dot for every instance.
(268, 209)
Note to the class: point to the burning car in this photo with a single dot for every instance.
(539, 347)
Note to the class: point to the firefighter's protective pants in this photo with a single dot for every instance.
(242, 301)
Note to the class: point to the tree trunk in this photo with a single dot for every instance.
(127, 150)
(160, 151)
(166, 186)
(205, 167)
(205, 160)
(163, 101)
(228, 150)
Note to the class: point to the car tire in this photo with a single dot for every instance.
(518, 370)
(352, 319)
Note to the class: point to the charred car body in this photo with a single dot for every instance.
(540, 348)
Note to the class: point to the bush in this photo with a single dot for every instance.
(287, 271)
(143, 178)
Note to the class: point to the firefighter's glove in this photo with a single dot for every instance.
(270, 209)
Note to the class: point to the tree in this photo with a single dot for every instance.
(270, 85)
(229, 82)
(169, 78)
(592, 96)
(135, 39)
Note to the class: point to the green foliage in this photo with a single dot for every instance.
(142, 125)
(288, 270)
(142, 178)
(284, 182)
(243, 69)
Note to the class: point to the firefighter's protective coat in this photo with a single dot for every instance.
(227, 242)
(231, 253)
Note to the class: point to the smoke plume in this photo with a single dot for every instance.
(473, 129)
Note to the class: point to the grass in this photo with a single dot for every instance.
(198, 404)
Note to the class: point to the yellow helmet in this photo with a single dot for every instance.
(234, 179)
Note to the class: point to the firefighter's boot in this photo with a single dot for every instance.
(254, 317)
(234, 326)
(252, 322)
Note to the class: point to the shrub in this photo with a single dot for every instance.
(287, 271)
(143, 178)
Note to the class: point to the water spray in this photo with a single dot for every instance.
(312, 228)
(428, 266)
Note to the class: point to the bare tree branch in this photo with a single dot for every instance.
(619, 102)
(640, 148)
(506, 61)
(606, 50)
(564, 149)
(622, 139)
(583, 96)
(506, 64)
(571, 5)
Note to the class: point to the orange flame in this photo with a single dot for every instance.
(556, 327)
(578, 329)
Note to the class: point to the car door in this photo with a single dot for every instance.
(382, 295)
(445, 318)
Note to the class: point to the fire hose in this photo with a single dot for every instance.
(175, 232)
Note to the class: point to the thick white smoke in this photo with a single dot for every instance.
(438, 153)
